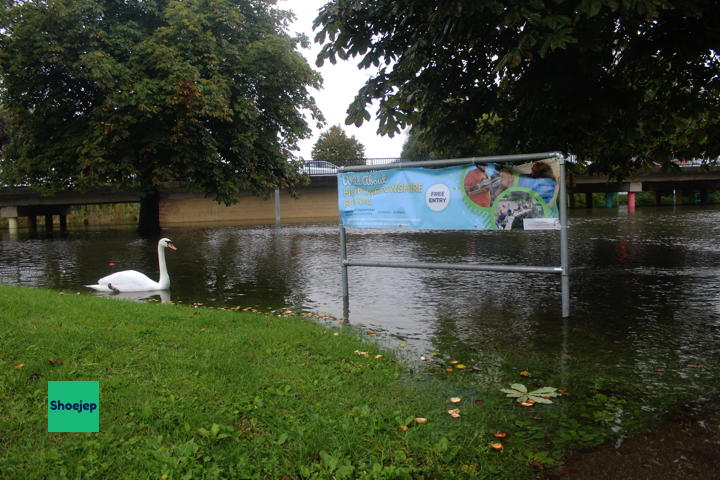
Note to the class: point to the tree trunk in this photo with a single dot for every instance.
(149, 221)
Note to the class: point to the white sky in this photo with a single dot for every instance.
(340, 85)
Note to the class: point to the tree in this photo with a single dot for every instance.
(413, 149)
(619, 82)
(333, 145)
(136, 93)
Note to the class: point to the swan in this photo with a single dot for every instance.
(132, 281)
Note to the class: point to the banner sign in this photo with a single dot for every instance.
(466, 197)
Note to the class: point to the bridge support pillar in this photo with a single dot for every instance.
(658, 198)
(588, 200)
(609, 200)
(48, 223)
(12, 224)
(63, 223)
(32, 223)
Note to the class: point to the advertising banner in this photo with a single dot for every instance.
(466, 197)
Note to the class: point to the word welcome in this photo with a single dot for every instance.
(79, 407)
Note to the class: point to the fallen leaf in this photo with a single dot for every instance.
(454, 362)
(527, 404)
(455, 413)
(203, 329)
(500, 435)
(404, 428)
(563, 392)
(469, 467)
(524, 373)
(377, 357)
(449, 370)
(460, 366)
(335, 334)
(403, 345)
(57, 361)
(693, 365)
(423, 359)
(455, 400)
(19, 366)
(497, 446)
(421, 420)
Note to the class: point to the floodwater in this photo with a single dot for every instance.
(645, 287)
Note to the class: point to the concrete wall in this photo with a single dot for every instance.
(317, 203)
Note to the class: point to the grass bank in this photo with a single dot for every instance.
(201, 393)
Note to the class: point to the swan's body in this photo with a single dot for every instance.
(132, 281)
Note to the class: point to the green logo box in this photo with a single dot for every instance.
(73, 406)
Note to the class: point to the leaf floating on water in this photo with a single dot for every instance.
(455, 400)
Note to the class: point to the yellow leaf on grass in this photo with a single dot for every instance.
(455, 400)
(421, 420)
(19, 366)
(524, 373)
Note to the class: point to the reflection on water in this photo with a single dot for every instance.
(645, 284)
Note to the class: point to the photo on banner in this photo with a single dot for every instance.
(476, 196)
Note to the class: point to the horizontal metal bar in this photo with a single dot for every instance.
(452, 161)
(454, 266)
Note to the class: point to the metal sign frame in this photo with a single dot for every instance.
(563, 270)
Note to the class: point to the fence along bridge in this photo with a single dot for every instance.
(317, 202)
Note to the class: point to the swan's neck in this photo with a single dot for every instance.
(164, 277)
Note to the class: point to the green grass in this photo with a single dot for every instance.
(200, 393)
(203, 393)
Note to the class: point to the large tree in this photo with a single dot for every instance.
(139, 92)
(618, 82)
(333, 145)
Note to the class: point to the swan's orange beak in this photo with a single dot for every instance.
(171, 246)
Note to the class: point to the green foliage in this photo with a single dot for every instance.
(540, 395)
(125, 93)
(333, 145)
(414, 149)
(619, 83)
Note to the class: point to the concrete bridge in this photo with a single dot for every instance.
(317, 202)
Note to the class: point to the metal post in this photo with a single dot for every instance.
(344, 273)
(564, 260)
(277, 206)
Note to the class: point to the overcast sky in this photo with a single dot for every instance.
(340, 85)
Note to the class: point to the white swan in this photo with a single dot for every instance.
(132, 281)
